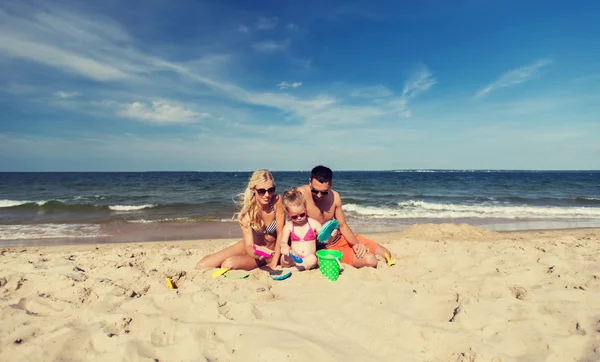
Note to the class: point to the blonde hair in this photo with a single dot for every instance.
(293, 197)
(250, 213)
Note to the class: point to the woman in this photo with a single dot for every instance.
(261, 220)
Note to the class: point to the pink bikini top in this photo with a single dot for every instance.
(310, 234)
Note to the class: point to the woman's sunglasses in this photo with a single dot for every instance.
(298, 216)
(316, 192)
(262, 192)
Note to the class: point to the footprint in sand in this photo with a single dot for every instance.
(519, 292)
(577, 329)
(41, 306)
(240, 311)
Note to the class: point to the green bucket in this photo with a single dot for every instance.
(329, 263)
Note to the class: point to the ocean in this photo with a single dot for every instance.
(96, 207)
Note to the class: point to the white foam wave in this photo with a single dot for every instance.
(435, 171)
(171, 219)
(12, 203)
(89, 197)
(422, 209)
(46, 231)
(130, 207)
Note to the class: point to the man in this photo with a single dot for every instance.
(324, 204)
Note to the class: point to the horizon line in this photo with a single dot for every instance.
(336, 170)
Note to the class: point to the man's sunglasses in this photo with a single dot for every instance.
(316, 192)
(262, 192)
(298, 216)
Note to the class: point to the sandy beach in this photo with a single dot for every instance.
(456, 293)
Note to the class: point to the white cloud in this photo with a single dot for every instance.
(292, 27)
(101, 50)
(61, 94)
(418, 83)
(270, 46)
(160, 112)
(243, 29)
(60, 58)
(98, 49)
(514, 77)
(267, 23)
(286, 85)
(376, 91)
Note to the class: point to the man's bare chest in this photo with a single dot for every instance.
(321, 216)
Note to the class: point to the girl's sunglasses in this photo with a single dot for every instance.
(298, 216)
(262, 192)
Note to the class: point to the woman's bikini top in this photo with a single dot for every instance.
(309, 236)
(271, 229)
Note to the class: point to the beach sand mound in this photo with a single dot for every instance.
(439, 232)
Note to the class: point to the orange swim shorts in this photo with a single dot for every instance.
(343, 246)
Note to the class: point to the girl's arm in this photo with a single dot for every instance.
(279, 225)
(315, 224)
(283, 241)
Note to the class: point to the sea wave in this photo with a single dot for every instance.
(438, 171)
(63, 205)
(47, 231)
(130, 207)
(422, 209)
(13, 203)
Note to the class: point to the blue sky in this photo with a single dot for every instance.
(224, 85)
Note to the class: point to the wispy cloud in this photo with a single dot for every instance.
(267, 23)
(97, 49)
(286, 85)
(160, 112)
(270, 46)
(61, 94)
(243, 29)
(515, 76)
(418, 83)
(376, 91)
(101, 50)
(292, 27)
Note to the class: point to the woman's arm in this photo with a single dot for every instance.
(249, 241)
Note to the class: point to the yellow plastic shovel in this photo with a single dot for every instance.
(219, 272)
(389, 260)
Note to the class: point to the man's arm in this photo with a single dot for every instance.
(359, 249)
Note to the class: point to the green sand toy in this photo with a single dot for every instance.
(329, 263)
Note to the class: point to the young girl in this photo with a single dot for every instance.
(300, 230)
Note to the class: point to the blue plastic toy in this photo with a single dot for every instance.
(282, 276)
(327, 229)
(296, 258)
